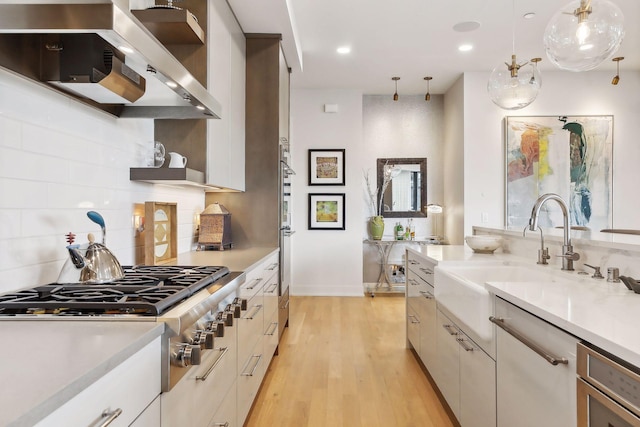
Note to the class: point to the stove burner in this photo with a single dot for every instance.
(144, 290)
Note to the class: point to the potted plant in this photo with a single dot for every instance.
(376, 221)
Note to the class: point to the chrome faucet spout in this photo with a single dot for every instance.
(568, 256)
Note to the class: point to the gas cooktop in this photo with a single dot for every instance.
(144, 290)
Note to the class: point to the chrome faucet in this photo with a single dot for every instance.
(568, 256)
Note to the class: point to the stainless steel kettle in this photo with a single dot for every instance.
(92, 263)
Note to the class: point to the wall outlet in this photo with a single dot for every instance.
(484, 217)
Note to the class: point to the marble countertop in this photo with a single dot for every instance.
(600, 312)
(47, 363)
(237, 259)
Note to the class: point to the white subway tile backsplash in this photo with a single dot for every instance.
(56, 163)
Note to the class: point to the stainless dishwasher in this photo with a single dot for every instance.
(608, 390)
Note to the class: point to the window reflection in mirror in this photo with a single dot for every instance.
(406, 194)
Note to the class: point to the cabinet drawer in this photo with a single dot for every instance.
(251, 373)
(270, 336)
(413, 328)
(226, 413)
(258, 276)
(421, 267)
(130, 387)
(250, 327)
(270, 293)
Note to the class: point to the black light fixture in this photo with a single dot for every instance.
(395, 95)
(427, 97)
(616, 79)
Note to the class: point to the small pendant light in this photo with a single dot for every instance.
(395, 95)
(616, 79)
(427, 97)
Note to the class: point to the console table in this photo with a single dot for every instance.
(385, 283)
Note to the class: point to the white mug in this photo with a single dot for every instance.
(177, 160)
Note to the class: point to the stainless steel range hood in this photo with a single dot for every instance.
(29, 32)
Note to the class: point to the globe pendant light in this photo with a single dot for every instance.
(517, 85)
(583, 34)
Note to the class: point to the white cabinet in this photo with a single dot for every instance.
(532, 390)
(465, 376)
(123, 394)
(226, 82)
(421, 309)
(254, 346)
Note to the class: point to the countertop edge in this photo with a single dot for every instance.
(41, 410)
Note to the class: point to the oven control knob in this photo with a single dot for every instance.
(241, 302)
(188, 355)
(236, 310)
(216, 328)
(203, 339)
(226, 317)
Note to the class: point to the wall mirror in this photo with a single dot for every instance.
(406, 195)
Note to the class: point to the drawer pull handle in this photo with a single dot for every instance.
(426, 270)
(286, 305)
(272, 266)
(452, 330)
(413, 319)
(275, 328)
(221, 424)
(413, 262)
(109, 416)
(253, 284)
(524, 340)
(464, 345)
(413, 282)
(223, 351)
(250, 374)
(427, 295)
(273, 288)
(251, 316)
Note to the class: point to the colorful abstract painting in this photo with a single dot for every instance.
(567, 155)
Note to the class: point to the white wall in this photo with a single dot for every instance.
(58, 160)
(326, 262)
(562, 93)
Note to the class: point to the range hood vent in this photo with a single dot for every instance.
(100, 54)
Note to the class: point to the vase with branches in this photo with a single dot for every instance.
(376, 222)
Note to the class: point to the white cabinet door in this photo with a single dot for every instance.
(428, 328)
(532, 392)
(123, 393)
(413, 328)
(477, 385)
(226, 82)
(447, 375)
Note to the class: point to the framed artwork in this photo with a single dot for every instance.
(567, 155)
(326, 167)
(161, 230)
(326, 211)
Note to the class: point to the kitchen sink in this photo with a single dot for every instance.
(461, 291)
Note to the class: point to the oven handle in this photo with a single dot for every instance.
(250, 374)
(252, 315)
(223, 351)
(524, 340)
(110, 416)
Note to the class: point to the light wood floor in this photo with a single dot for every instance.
(343, 362)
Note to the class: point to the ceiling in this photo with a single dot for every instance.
(411, 39)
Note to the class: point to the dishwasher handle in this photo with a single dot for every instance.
(524, 340)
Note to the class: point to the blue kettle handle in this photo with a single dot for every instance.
(96, 217)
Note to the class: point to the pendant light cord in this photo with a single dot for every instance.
(513, 27)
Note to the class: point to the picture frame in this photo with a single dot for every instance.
(326, 211)
(571, 156)
(326, 166)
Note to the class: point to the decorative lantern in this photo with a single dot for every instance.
(215, 228)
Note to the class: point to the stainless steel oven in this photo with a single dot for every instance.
(608, 390)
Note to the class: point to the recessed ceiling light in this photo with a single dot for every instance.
(465, 47)
(343, 50)
(529, 15)
(465, 27)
